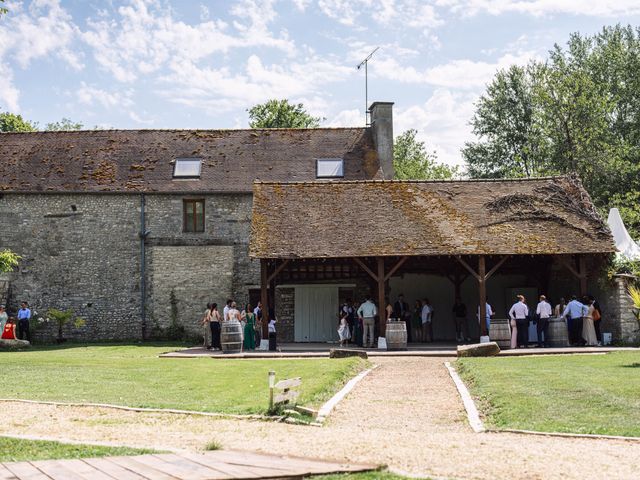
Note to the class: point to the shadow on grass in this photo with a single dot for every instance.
(631, 365)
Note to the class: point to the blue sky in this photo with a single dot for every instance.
(201, 64)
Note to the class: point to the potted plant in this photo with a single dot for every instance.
(634, 294)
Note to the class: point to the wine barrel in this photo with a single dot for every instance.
(396, 335)
(500, 332)
(231, 337)
(558, 335)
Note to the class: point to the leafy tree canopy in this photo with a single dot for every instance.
(578, 111)
(65, 124)
(10, 122)
(281, 114)
(412, 161)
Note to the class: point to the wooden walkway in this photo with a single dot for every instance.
(222, 464)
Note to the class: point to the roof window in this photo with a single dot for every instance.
(187, 168)
(329, 168)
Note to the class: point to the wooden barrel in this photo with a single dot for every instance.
(558, 335)
(396, 336)
(231, 337)
(500, 332)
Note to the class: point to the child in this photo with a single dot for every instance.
(343, 331)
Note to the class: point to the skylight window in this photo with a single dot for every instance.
(187, 168)
(329, 168)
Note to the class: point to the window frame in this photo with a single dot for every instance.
(187, 177)
(193, 202)
(336, 159)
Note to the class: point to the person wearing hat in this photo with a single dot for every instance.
(3, 317)
(543, 312)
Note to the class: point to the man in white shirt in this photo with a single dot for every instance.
(543, 312)
(426, 316)
(367, 313)
(225, 311)
(520, 312)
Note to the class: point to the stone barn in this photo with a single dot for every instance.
(133, 228)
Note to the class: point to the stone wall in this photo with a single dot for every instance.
(285, 313)
(82, 251)
(617, 312)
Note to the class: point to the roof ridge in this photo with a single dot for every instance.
(395, 181)
(179, 130)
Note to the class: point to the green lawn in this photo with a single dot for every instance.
(17, 450)
(597, 394)
(133, 375)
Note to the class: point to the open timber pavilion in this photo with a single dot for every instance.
(322, 242)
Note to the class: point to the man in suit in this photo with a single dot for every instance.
(401, 312)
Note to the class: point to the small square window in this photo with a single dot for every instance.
(187, 168)
(193, 216)
(329, 168)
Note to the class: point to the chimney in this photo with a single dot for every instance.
(382, 129)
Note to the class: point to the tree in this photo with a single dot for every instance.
(510, 143)
(281, 114)
(3, 10)
(412, 161)
(10, 122)
(8, 261)
(579, 111)
(66, 124)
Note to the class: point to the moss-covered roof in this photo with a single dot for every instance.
(387, 218)
(143, 160)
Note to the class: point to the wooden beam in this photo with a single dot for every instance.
(365, 268)
(569, 267)
(264, 297)
(483, 294)
(277, 270)
(469, 269)
(582, 264)
(395, 268)
(382, 321)
(496, 267)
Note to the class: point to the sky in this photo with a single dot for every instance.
(202, 64)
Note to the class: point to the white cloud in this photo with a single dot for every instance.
(347, 118)
(144, 37)
(9, 94)
(604, 8)
(390, 13)
(42, 31)
(442, 123)
(461, 73)
(90, 95)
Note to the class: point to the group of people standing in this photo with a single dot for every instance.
(582, 317)
(357, 324)
(251, 321)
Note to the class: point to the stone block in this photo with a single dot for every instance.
(344, 353)
(489, 349)
(13, 344)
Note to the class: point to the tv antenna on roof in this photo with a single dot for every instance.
(365, 62)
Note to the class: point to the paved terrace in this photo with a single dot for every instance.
(321, 350)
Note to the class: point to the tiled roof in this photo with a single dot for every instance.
(388, 218)
(142, 160)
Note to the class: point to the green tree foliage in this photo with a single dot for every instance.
(412, 161)
(3, 10)
(10, 122)
(8, 261)
(579, 111)
(281, 114)
(66, 124)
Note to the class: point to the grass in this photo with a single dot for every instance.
(17, 450)
(133, 375)
(595, 394)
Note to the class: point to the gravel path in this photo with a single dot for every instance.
(406, 414)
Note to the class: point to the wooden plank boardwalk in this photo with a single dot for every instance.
(221, 464)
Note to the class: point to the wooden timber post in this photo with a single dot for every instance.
(482, 283)
(582, 266)
(264, 297)
(381, 303)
